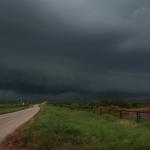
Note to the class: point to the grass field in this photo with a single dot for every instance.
(11, 109)
(58, 128)
(8, 106)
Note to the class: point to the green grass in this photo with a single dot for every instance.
(58, 128)
(5, 110)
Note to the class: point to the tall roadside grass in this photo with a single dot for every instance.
(58, 128)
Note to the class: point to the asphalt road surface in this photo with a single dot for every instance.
(10, 122)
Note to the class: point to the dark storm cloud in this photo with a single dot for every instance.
(33, 82)
(74, 48)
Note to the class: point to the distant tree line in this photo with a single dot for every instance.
(105, 102)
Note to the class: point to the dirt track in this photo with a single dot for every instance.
(10, 122)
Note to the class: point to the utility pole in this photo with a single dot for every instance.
(21, 100)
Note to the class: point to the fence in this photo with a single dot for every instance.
(138, 114)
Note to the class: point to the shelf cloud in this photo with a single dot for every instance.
(82, 48)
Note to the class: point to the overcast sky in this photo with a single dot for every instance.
(74, 48)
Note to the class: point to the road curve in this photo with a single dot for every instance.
(10, 122)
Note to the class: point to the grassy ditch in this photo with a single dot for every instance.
(58, 128)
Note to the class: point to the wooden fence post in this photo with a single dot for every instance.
(94, 109)
(88, 109)
(100, 111)
(138, 116)
(121, 115)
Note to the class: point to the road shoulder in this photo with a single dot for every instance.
(11, 142)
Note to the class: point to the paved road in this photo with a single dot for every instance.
(10, 122)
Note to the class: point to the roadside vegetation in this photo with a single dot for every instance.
(60, 128)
